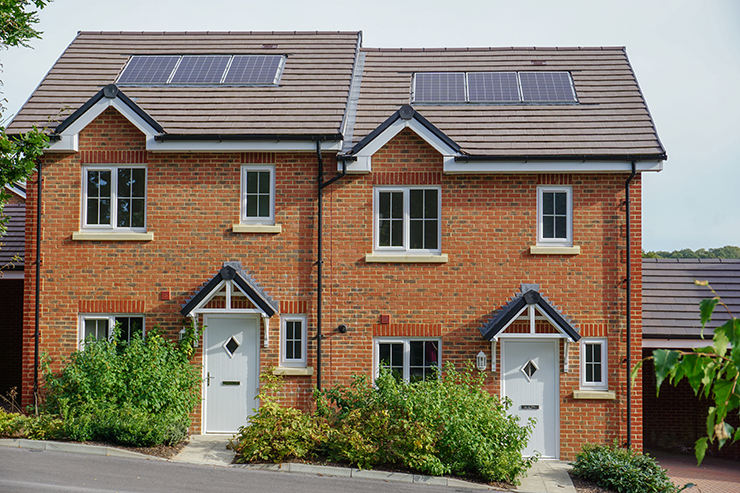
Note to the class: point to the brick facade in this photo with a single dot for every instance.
(488, 225)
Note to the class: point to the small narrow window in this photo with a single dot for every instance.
(554, 216)
(293, 340)
(258, 195)
(408, 359)
(593, 364)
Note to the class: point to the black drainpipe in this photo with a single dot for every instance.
(629, 305)
(38, 293)
(319, 263)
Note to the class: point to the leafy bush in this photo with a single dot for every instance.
(276, 433)
(11, 424)
(41, 427)
(138, 393)
(622, 470)
(439, 426)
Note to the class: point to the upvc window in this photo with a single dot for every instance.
(114, 197)
(554, 216)
(293, 340)
(407, 219)
(410, 359)
(593, 364)
(258, 195)
(100, 327)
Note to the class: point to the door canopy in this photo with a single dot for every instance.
(528, 299)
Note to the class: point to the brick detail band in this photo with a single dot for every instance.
(554, 179)
(258, 158)
(539, 328)
(294, 307)
(111, 306)
(407, 178)
(407, 330)
(594, 330)
(113, 157)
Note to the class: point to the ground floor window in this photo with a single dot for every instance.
(410, 359)
(100, 326)
(293, 340)
(593, 364)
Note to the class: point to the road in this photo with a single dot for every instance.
(24, 470)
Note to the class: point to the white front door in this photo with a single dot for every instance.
(530, 380)
(231, 371)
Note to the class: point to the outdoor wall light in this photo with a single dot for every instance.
(342, 329)
(480, 361)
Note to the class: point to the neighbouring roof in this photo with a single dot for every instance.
(670, 299)
(610, 119)
(14, 242)
(310, 99)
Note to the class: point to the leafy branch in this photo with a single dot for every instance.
(712, 371)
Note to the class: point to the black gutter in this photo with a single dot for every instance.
(36, 332)
(319, 287)
(629, 305)
(558, 157)
(234, 137)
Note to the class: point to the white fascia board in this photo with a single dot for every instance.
(452, 167)
(240, 146)
(67, 143)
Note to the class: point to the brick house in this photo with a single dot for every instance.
(411, 207)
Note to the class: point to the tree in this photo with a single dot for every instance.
(712, 371)
(18, 153)
(728, 251)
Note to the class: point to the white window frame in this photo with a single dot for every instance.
(243, 218)
(111, 318)
(113, 168)
(294, 362)
(406, 352)
(568, 240)
(604, 384)
(405, 248)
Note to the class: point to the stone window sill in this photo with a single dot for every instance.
(257, 228)
(439, 258)
(288, 371)
(111, 236)
(594, 394)
(555, 250)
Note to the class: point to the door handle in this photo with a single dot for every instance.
(208, 379)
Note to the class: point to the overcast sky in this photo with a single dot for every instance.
(686, 55)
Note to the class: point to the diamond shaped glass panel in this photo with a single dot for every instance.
(529, 369)
(231, 345)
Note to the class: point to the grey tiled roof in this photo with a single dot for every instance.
(670, 299)
(13, 243)
(611, 119)
(311, 98)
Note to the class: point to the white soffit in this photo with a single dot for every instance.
(452, 167)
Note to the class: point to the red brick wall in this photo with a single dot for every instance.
(488, 224)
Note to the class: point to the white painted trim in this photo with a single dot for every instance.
(406, 219)
(440, 258)
(406, 340)
(555, 242)
(520, 166)
(554, 250)
(532, 337)
(241, 146)
(224, 311)
(303, 360)
(111, 236)
(257, 228)
(113, 197)
(11, 274)
(678, 343)
(257, 221)
(592, 386)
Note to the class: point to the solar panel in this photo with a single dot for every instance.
(201, 69)
(148, 70)
(547, 87)
(499, 87)
(439, 87)
(254, 69)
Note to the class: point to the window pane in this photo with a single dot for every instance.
(104, 183)
(264, 182)
(589, 373)
(397, 232)
(93, 183)
(104, 212)
(137, 213)
(96, 329)
(548, 203)
(138, 183)
(416, 203)
(416, 234)
(92, 211)
(431, 204)
(397, 205)
(384, 233)
(548, 227)
(561, 203)
(431, 235)
(251, 206)
(252, 182)
(417, 353)
(124, 182)
(384, 207)
(124, 213)
(561, 228)
(264, 206)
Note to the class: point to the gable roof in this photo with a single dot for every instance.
(670, 299)
(310, 99)
(14, 242)
(611, 119)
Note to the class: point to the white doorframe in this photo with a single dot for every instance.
(556, 351)
(206, 317)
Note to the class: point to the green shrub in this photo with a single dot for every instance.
(41, 427)
(276, 433)
(622, 470)
(11, 424)
(139, 393)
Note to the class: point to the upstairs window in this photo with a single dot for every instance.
(258, 195)
(407, 219)
(493, 87)
(114, 198)
(202, 70)
(554, 216)
(100, 327)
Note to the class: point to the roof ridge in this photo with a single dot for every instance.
(496, 48)
(217, 33)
